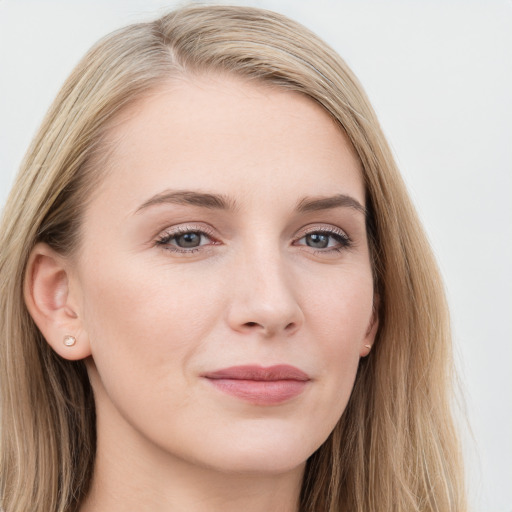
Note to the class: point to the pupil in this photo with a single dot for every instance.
(318, 241)
(188, 240)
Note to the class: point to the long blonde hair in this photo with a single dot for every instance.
(395, 447)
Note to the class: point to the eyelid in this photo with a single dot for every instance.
(188, 227)
(322, 228)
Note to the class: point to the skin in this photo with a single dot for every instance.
(260, 288)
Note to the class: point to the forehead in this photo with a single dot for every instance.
(221, 132)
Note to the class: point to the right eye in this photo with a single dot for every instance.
(188, 240)
(184, 240)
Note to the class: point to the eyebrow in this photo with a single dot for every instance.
(221, 202)
(189, 198)
(313, 204)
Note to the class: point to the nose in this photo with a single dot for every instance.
(264, 298)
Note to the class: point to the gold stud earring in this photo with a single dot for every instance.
(369, 347)
(69, 340)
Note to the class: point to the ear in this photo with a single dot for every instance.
(371, 332)
(52, 304)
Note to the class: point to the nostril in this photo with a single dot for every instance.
(270, 329)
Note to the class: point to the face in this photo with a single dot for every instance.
(223, 280)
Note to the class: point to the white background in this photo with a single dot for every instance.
(439, 74)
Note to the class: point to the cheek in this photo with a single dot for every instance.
(338, 320)
(144, 322)
(138, 300)
(341, 311)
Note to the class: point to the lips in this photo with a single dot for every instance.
(260, 385)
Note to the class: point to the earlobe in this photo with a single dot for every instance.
(50, 303)
(371, 332)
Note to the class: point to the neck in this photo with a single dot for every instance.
(193, 492)
(120, 484)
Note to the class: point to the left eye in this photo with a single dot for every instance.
(324, 240)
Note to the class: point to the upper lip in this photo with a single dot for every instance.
(259, 373)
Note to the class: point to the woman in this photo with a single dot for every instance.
(215, 291)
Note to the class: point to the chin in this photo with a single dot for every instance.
(263, 463)
(274, 455)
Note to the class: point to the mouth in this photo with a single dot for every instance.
(259, 385)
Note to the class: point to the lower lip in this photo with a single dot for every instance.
(260, 392)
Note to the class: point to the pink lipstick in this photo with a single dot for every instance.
(259, 385)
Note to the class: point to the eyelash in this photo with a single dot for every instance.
(164, 241)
